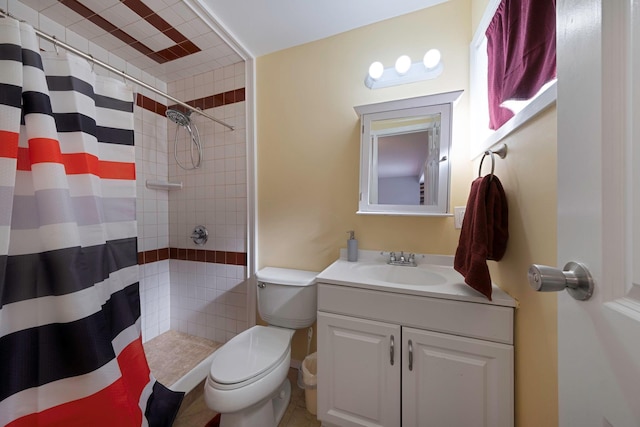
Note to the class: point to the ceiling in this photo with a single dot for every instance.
(263, 27)
(171, 40)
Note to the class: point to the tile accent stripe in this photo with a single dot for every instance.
(150, 104)
(200, 255)
(182, 48)
(217, 100)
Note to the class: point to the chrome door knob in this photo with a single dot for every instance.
(575, 278)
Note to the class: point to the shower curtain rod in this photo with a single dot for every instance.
(126, 76)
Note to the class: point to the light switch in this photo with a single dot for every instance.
(458, 215)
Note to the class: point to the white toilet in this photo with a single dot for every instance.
(247, 382)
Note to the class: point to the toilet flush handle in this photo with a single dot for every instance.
(262, 285)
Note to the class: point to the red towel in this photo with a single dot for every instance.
(484, 233)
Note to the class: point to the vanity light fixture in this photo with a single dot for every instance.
(404, 71)
(375, 70)
(403, 63)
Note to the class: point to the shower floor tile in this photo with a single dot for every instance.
(173, 354)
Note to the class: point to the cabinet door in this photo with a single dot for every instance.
(358, 372)
(455, 381)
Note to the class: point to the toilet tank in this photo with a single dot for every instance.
(287, 298)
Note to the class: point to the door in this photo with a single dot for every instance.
(359, 366)
(448, 380)
(599, 210)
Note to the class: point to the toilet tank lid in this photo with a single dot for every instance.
(286, 276)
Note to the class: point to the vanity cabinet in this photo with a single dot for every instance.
(387, 359)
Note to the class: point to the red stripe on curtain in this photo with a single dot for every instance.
(117, 170)
(9, 145)
(116, 405)
(42, 150)
(74, 163)
(135, 370)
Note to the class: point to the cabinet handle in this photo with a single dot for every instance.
(410, 355)
(391, 350)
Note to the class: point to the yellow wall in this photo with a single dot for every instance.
(309, 142)
(308, 159)
(528, 175)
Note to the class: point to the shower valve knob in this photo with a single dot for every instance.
(200, 235)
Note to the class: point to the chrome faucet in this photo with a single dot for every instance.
(409, 261)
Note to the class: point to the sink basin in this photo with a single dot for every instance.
(401, 275)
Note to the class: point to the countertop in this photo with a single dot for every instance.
(345, 273)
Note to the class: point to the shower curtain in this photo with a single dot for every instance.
(70, 343)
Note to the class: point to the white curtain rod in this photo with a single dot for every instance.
(126, 76)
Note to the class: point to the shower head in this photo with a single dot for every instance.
(179, 117)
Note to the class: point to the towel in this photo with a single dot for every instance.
(484, 233)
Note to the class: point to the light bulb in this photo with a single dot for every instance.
(431, 59)
(403, 64)
(375, 70)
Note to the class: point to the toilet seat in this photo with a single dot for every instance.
(249, 356)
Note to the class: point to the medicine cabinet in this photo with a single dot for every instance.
(404, 155)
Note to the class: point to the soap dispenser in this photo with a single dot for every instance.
(352, 247)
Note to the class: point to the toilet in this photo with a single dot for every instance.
(247, 382)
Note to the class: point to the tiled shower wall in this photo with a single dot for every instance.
(195, 289)
(208, 289)
(153, 214)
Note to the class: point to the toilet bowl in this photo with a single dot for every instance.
(247, 382)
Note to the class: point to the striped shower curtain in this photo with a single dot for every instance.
(70, 344)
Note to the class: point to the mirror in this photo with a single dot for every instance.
(404, 156)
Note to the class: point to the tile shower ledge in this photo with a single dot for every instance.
(345, 273)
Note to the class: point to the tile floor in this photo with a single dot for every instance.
(197, 414)
(173, 354)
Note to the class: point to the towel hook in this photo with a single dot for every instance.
(501, 152)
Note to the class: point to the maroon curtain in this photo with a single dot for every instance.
(521, 46)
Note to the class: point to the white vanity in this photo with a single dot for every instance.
(412, 346)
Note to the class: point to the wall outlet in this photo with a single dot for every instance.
(458, 215)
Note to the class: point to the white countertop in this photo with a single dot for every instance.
(345, 273)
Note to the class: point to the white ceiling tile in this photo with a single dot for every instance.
(160, 4)
(98, 6)
(170, 16)
(204, 41)
(183, 11)
(39, 5)
(62, 14)
(157, 42)
(108, 42)
(127, 53)
(87, 29)
(120, 15)
(193, 29)
(141, 29)
(145, 63)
